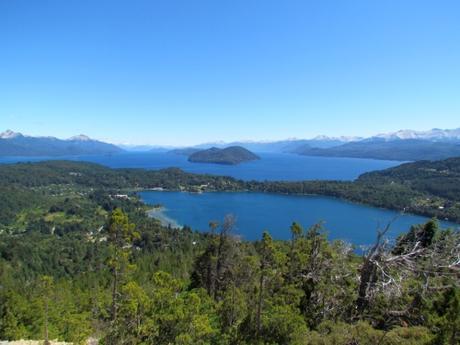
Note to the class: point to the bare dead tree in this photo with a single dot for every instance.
(385, 270)
(368, 276)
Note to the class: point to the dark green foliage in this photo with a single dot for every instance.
(99, 177)
(437, 178)
(13, 199)
(446, 317)
(423, 234)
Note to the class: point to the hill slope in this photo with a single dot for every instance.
(231, 155)
(440, 178)
(57, 255)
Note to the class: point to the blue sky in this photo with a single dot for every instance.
(184, 72)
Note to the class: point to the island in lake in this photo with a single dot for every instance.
(230, 155)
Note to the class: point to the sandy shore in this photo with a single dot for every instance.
(159, 213)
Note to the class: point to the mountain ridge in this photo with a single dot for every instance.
(398, 150)
(402, 145)
(17, 144)
(296, 145)
(435, 134)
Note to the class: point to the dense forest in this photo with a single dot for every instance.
(80, 259)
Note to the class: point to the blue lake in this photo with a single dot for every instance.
(272, 166)
(256, 212)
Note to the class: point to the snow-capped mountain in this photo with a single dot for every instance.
(9, 134)
(344, 139)
(403, 145)
(16, 144)
(434, 134)
(80, 137)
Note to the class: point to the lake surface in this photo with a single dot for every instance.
(271, 166)
(257, 212)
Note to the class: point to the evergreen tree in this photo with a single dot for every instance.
(121, 235)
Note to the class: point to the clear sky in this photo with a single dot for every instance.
(184, 72)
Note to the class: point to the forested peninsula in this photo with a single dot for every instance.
(426, 188)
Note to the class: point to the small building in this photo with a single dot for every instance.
(121, 196)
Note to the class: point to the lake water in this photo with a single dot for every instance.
(257, 212)
(271, 166)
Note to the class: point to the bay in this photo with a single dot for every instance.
(256, 212)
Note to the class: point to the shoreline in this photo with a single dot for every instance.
(159, 214)
(409, 212)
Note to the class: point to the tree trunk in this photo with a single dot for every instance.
(114, 295)
(260, 300)
(46, 342)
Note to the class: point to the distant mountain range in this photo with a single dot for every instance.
(281, 146)
(434, 134)
(146, 148)
(187, 151)
(17, 144)
(399, 149)
(284, 146)
(230, 155)
(403, 145)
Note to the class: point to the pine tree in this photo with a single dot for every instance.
(121, 235)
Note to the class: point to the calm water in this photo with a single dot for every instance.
(272, 166)
(256, 212)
